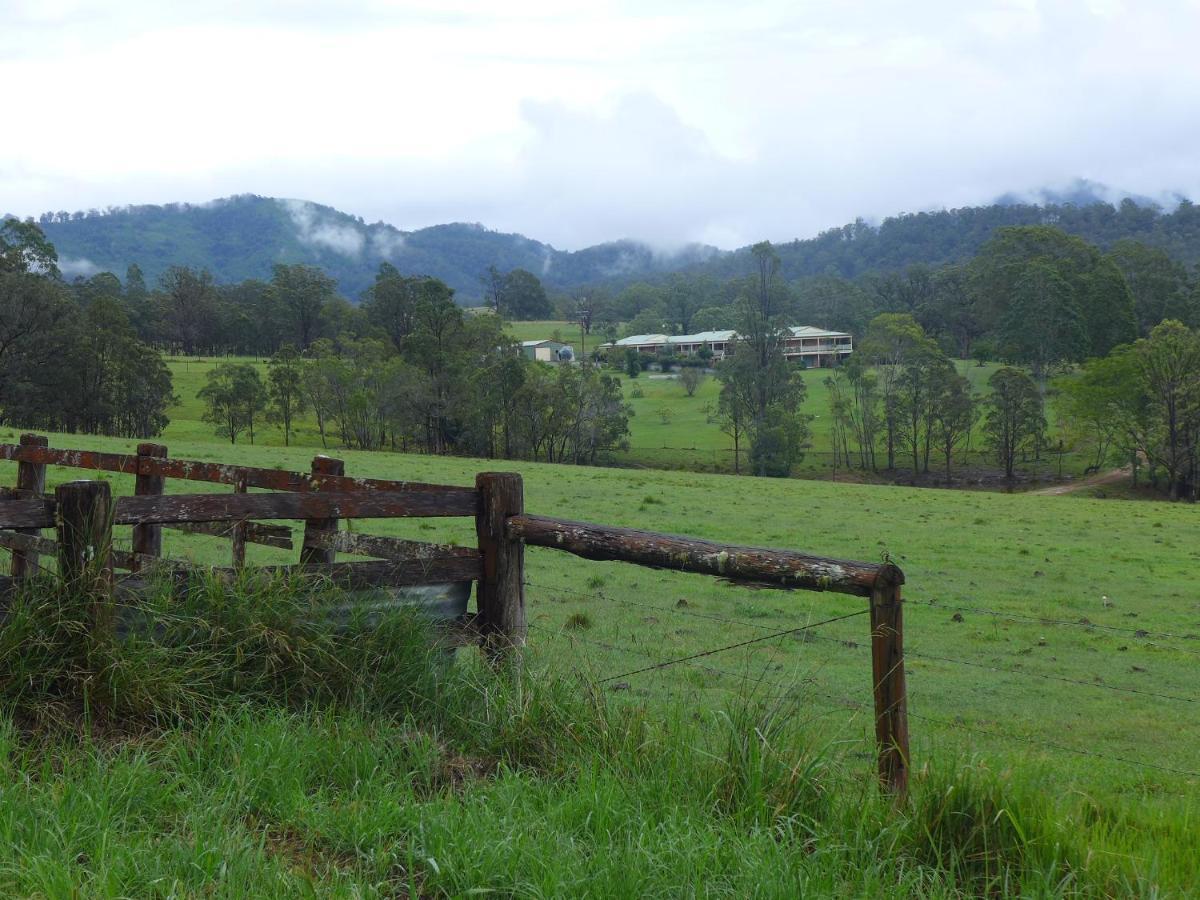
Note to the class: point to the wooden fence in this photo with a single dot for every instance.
(83, 513)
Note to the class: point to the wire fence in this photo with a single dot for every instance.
(809, 686)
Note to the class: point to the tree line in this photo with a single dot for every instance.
(425, 377)
(1032, 295)
(70, 358)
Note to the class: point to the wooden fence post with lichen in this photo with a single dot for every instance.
(310, 553)
(891, 699)
(501, 587)
(31, 479)
(147, 539)
(84, 518)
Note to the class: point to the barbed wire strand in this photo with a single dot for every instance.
(917, 654)
(715, 650)
(934, 720)
(807, 683)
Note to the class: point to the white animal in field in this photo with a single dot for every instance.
(1104, 600)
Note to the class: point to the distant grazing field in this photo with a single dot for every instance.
(668, 430)
(568, 332)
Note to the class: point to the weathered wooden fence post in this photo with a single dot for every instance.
(321, 465)
(83, 516)
(147, 539)
(30, 477)
(501, 591)
(239, 530)
(891, 699)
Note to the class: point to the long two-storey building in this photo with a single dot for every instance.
(815, 347)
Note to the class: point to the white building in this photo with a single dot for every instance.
(815, 347)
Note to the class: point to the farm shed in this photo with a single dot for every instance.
(547, 351)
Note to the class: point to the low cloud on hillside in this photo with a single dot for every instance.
(582, 122)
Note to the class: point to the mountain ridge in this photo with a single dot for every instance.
(241, 237)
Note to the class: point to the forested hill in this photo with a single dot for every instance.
(241, 237)
(936, 238)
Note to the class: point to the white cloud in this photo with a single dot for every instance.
(386, 243)
(80, 266)
(576, 122)
(344, 239)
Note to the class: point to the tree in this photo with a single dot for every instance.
(684, 298)
(760, 392)
(1169, 365)
(33, 308)
(524, 297)
(285, 389)
(233, 396)
(864, 407)
(391, 304)
(892, 341)
(492, 281)
(1015, 415)
(1159, 284)
(1103, 304)
(633, 362)
(952, 311)
(1102, 404)
(190, 309)
(919, 385)
(714, 318)
(1043, 326)
(648, 321)
(302, 292)
(691, 378)
(25, 249)
(953, 416)
(832, 302)
(142, 391)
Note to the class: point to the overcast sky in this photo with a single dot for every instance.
(577, 122)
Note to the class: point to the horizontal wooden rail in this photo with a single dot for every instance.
(279, 536)
(381, 547)
(778, 568)
(233, 507)
(121, 559)
(216, 473)
(348, 576)
(177, 508)
(37, 513)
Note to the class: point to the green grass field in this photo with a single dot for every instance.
(1097, 714)
(669, 430)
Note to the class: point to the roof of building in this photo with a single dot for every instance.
(543, 343)
(635, 339)
(717, 337)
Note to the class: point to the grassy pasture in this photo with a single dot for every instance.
(668, 430)
(990, 691)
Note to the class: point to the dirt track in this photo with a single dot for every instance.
(1109, 477)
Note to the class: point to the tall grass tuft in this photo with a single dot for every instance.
(177, 653)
